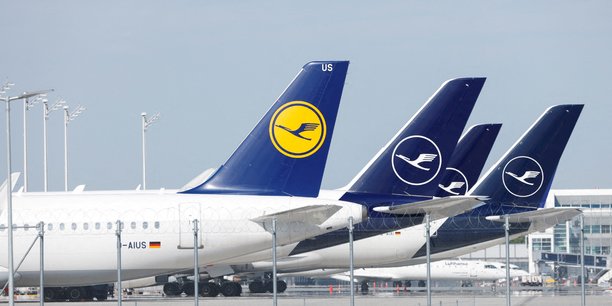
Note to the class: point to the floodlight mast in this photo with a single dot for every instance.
(46, 111)
(68, 116)
(27, 105)
(146, 123)
(9, 195)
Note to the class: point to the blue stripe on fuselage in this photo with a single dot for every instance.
(472, 228)
(376, 224)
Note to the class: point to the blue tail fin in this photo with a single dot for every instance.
(412, 161)
(285, 154)
(468, 160)
(523, 176)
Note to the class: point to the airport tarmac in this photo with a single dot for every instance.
(359, 301)
(380, 298)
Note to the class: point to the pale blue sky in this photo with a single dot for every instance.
(212, 68)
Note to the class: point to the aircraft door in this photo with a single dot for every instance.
(187, 213)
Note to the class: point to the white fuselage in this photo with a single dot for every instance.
(157, 237)
(393, 249)
(440, 270)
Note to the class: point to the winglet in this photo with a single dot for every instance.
(286, 152)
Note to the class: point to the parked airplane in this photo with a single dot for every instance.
(465, 165)
(539, 148)
(272, 175)
(388, 179)
(463, 270)
(436, 127)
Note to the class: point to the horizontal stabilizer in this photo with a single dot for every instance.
(547, 216)
(312, 215)
(437, 208)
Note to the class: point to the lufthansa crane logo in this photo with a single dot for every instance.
(416, 160)
(458, 183)
(297, 129)
(523, 176)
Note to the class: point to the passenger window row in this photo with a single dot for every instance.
(85, 226)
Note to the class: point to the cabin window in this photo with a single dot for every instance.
(133, 225)
(26, 227)
(109, 226)
(85, 226)
(156, 224)
(62, 226)
(97, 225)
(50, 226)
(73, 226)
(145, 225)
(1, 227)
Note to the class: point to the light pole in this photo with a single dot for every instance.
(507, 241)
(351, 228)
(68, 116)
(428, 254)
(9, 194)
(582, 288)
(118, 235)
(196, 262)
(146, 123)
(27, 105)
(274, 277)
(46, 111)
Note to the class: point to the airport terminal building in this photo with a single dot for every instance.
(564, 238)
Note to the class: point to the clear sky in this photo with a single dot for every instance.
(212, 69)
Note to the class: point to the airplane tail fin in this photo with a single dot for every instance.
(14, 177)
(286, 152)
(413, 161)
(468, 159)
(523, 176)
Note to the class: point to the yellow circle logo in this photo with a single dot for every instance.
(297, 129)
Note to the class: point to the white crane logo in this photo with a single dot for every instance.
(524, 177)
(451, 186)
(527, 184)
(423, 158)
(458, 181)
(412, 166)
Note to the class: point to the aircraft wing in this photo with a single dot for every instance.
(541, 218)
(360, 276)
(310, 215)
(437, 208)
